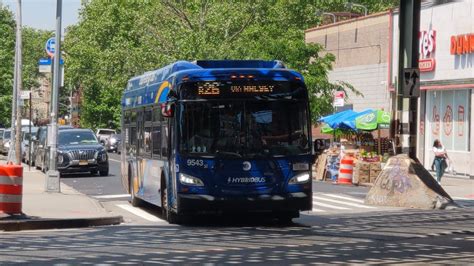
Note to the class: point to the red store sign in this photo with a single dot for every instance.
(462, 44)
(427, 63)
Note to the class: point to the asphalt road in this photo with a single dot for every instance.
(340, 229)
(98, 185)
(391, 237)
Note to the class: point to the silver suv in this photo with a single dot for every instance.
(103, 134)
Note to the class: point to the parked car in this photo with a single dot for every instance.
(103, 134)
(112, 144)
(79, 151)
(1, 137)
(25, 143)
(5, 144)
(40, 146)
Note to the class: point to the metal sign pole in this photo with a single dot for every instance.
(29, 139)
(13, 153)
(52, 180)
(408, 77)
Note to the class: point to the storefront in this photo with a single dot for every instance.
(447, 82)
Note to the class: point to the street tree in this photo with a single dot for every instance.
(7, 55)
(116, 40)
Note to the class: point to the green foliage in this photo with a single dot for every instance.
(32, 50)
(7, 55)
(33, 42)
(116, 40)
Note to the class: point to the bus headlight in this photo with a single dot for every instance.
(299, 178)
(190, 180)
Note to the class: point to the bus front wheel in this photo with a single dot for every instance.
(166, 213)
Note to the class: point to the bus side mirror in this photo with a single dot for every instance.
(167, 109)
(320, 145)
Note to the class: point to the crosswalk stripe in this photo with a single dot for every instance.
(317, 210)
(112, 196)
(344, 198)
(343, 203)
(319, 204)
(138, 212)
(461, 198)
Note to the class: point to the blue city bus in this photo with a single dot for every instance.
(218, 136)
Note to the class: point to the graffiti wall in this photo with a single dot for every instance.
(447, 116)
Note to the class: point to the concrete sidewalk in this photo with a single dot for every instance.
(458, 188)
(43, 210)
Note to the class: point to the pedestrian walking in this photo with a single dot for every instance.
(440, 159)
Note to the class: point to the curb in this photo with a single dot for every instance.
(39, 224)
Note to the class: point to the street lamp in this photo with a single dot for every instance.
(350, 5)
(319, 13)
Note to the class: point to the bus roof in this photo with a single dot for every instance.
(154, 86)
(164, 73)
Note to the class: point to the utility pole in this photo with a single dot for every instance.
(408, 78)
(52, 179)
(14, 152)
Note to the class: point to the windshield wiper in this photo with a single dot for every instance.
(228, 153)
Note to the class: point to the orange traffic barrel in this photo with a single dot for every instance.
(11, 188)
(346, 170)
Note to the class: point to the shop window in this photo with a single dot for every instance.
(448, 118)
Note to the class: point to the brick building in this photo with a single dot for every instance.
(361, 46)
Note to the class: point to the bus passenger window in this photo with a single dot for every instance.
(164, 147)
(157, 117)
(148, 115)
(156, 140)
(132, 140)
(133, 117)
(126, 117)
(147, 140)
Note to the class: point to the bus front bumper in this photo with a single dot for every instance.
(195, 203)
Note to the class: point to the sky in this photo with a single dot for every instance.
(41, 14)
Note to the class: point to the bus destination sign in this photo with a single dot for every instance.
(226, 89)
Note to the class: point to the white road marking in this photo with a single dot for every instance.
(461, 198)
(317, 210)
(138, 212)
(113, 160)
(343, 203)
(113, 196)
(344, 198)
(319, 204)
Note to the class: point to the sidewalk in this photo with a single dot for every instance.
(44, 210)
(458, 188)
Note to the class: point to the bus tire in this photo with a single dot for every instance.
(286, 217)
(166, 213)
(136, 202)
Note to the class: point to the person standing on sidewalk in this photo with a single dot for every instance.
(440, 159)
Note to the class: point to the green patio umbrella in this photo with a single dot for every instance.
(376, 119)
(326, 129)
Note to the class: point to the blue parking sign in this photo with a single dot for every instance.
(50, 46)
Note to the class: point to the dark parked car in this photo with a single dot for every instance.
(5, 142)
(79, 151)
(40, 146)
(113, 143)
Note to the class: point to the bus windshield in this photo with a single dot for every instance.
(244, 129)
